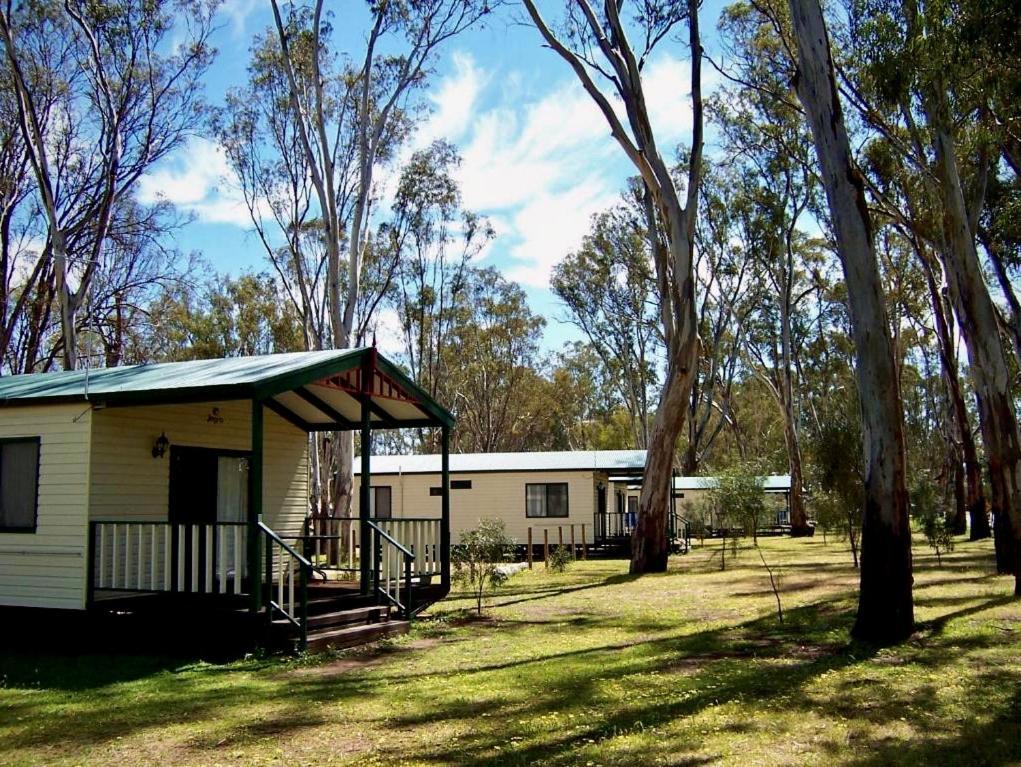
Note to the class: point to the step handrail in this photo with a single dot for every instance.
(393, 596)
(294, 612)
(400, 546)
(269, 531)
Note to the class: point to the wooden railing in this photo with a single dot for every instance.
(287, 576)
(141, 556)
(392, 564)
(620, 524)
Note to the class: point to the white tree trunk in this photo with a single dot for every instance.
(885, 607)
(990, 373)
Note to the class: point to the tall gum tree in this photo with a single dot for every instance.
(900, 190)
(885, 606)
(100, 95)
(596, 45)
(401, 45)
(931, 103)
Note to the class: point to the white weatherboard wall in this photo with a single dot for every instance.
(499, 495)
(128, 483)
(47, 568)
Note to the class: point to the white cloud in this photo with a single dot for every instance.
(198, 180)
(386, 327)
(667, 83)
(552, 225)
(453, 102)
(540, 167)
(237, 13)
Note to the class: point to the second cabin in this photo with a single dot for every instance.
(595, 491)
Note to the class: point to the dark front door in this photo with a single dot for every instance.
(193, 475)
(193, 489)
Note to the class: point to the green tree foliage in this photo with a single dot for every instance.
(739, 499)
(609, 290)
(930, 512)
(230, 317)
(560, 559)
(837, 467)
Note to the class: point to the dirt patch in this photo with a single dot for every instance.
(360, 661)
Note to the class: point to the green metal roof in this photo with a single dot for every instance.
(257, 377)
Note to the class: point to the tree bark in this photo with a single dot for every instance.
(990, 374)
(885, 607)
(674, 262)
(972, 475)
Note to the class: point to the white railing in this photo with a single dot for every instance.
(287, 573)
(392, 565)
(334, 544)
(331, 543)
(164, 557)
(421, 536)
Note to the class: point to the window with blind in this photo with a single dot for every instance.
(19, 485)
(546, 500)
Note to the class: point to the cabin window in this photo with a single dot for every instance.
(19, 485)
(455, 484)
(379, 502)
(546, 500)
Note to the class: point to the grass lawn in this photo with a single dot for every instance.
(591, 667)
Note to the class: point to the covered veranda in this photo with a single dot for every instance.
(196, 484)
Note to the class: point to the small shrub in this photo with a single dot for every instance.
(928, 507)
(477, 557)
(940, 535)
(559, 559)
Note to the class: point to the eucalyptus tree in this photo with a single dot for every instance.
(100, 93)
(912, 54)
(348, 121)
(597, 44)
(221, 316)
(725, 301)
(261, 142)
(493, 352)
(999, 233)
(885, 605)
(766, 136)
(425, 249)
(610, 293)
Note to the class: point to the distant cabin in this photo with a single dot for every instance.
(537, 490)
(691, 493)
(597, 489)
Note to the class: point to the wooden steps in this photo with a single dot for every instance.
(339, 618)
(320, 640)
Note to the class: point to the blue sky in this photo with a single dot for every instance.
(537, 156)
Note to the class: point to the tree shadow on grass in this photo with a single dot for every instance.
(756, 663)
(983, 740)
(753, 661)
(534, 596)
(614, 688)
